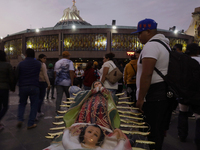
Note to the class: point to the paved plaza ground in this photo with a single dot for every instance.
(12, 138)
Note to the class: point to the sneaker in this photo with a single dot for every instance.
(19, 124)
(31, 127)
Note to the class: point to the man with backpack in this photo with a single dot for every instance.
(192, 50)
(151, 88)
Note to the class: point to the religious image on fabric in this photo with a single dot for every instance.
(92, 121)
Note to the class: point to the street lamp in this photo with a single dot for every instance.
(175, 31)
(73, 27)
(37, 30)
(172, 28)
(114, 24)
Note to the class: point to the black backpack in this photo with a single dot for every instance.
(183, 77)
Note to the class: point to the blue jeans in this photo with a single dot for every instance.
(4, 94)
(33, 93)
(60, 89)
(43, 86)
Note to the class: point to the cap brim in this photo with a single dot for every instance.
(135, 32)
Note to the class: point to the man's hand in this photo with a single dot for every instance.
(49, 87)
(139, 105)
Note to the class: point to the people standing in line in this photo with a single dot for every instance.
(7, 82)
(129, 76)
(120, 82)
(50, 73)
(43, 82)
(28, 81)
(79, 75)
(89, 76)
(64, 77)
(191, 50)
(107, 67)
(151, 88)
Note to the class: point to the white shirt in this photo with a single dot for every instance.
(157, 51)
(110, 64)
(197, 58)
(62, 68)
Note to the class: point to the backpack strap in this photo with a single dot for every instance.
(133, 68)
(161, 42)
(168, 49)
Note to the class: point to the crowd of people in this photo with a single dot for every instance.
(141, 82)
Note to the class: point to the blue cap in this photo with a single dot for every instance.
(146, 24)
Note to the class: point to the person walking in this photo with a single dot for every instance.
(64, 77)
(151, 94)
(107, 67)
(43, 82)
(27, 73)
(50, 73)
(130, 78)
(7, 83)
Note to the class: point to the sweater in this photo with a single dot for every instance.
(129, 72)
(89, 77)
(28, 72)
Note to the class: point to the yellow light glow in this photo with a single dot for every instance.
(30, 46)
(130, 53)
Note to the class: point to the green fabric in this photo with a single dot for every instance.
(71, 115)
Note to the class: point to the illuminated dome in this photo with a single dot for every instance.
(71, 17)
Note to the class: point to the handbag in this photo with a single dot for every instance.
(114, 76)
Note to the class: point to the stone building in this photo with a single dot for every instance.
(84, 41)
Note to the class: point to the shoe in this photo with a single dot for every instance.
(19, 124)
(52, 97)
(31, 127)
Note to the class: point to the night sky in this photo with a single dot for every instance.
(19, 15)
